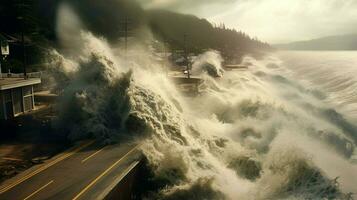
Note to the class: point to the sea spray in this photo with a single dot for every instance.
(98, 104)
(211, 153)
(209, 62)
(253, 134)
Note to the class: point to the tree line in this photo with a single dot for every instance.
(37, 20)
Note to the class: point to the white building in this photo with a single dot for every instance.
(16, 96)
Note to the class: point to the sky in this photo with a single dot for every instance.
(273, 21)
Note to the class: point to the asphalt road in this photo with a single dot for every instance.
(80, 173)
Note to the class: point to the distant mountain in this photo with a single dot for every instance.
(341, 42)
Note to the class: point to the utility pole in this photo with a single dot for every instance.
(125, 23)
(24, 52)
(165, 57)
(186, 56)
(126, 33)
(22, 18)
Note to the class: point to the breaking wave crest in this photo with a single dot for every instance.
(253, 134)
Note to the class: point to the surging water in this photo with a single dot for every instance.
(332, 72)
(252, 134)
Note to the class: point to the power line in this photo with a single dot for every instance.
(126, 24)
(185, 36)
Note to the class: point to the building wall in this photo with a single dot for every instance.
(8, 109)
(2, 115)
(16, 101)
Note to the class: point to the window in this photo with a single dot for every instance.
(28, 103)
(28, 98)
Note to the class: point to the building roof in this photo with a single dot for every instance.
(9, 83)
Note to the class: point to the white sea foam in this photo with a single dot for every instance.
(253, 134)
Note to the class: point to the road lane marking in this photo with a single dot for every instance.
(95, 153)
(66, 155)
(39, 190)
(103, 174)
(118, 179)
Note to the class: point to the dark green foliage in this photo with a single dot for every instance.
(37, 20)
(24, 16)
(106, 18)
(33, 17)
(202, 35)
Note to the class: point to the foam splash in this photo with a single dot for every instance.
(210, 63)
(254, 134)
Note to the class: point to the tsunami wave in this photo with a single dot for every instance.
(250, 134)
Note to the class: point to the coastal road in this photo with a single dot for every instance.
(83, 172)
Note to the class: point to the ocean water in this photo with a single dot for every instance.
(333, 72)
(285, 128)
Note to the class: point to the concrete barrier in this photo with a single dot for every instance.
(123, 186)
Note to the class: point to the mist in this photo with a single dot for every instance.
(274, 21)
(185, 93)
(255, 134)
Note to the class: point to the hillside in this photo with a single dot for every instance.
(331, 43)
(201, 34)
(105, 18)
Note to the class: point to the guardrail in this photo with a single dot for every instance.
(21, 75)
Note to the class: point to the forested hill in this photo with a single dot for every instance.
(334, 43)
(201, 34)
(104, 17)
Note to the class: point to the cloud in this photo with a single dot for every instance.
(287, 20)
(202, 8)
(181, 4)
(273, 20)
